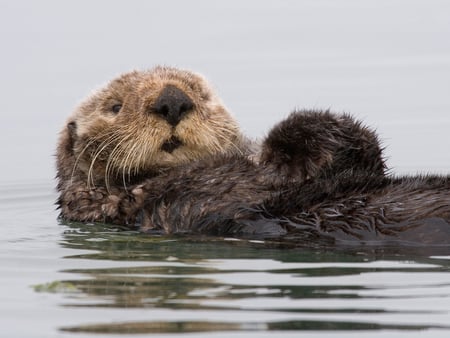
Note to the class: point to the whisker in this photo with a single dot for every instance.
(115, 152)
(77, 160)
(102, 146)
(82, 152)
(112, 163)
(214, 140)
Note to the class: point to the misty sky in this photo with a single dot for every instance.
(385, 61)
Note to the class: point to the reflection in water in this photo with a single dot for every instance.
(184, 327)
(208, 285)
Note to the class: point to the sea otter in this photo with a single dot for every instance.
(137, 126)
(158, 150)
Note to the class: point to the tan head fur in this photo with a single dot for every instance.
(143, 122)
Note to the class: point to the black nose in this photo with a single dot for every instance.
(172, 104)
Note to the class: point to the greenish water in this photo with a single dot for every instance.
(89, 280)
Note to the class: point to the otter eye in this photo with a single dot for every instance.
(116, 108)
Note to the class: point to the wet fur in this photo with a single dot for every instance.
(351, 206)
(319, 177)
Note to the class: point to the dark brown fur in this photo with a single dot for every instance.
(316, 143)
(346, 207)
(319, 177)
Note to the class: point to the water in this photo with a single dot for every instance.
(62, 279)
(387, 62)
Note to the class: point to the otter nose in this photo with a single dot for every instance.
(172, 104)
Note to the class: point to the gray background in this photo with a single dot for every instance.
(385, 61)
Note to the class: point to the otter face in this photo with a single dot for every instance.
(143, 122)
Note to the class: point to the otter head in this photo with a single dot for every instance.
(141, 123)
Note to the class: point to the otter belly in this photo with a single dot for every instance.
(346, 209)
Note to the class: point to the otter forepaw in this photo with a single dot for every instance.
(311, 143)
(301, 145)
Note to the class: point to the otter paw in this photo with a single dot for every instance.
(309, 144)
(111, 207)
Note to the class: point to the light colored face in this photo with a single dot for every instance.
(145, 121)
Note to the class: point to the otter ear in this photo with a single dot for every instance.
(68, 137)
(65, 152)
(72, 128)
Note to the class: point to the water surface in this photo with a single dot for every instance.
(63, 279)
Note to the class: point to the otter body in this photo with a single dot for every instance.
(351, 206)
(158, 150)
